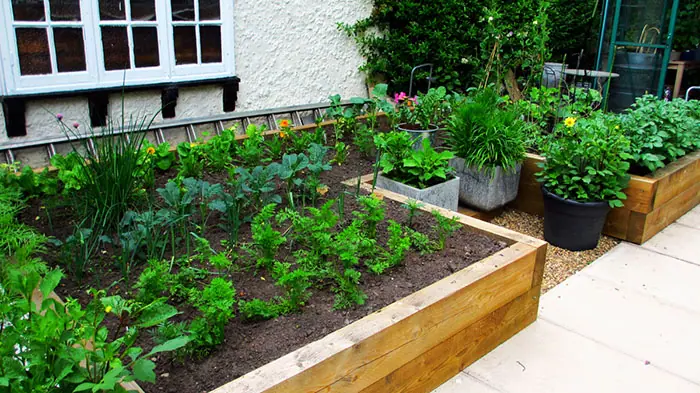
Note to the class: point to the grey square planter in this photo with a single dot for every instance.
(480, 190)
(444, 195)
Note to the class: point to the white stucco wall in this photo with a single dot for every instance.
(288, 52)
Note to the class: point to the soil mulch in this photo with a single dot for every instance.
(560, 263)
(249, 345)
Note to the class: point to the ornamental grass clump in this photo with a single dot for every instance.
(486, 134)
(587, 161)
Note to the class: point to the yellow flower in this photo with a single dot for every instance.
(283, 134)
(151, 150)
(108, 309)
(323, 190)
(617, 127)
(378, 195)
(193, 144)
(284, 123)
(570, 121)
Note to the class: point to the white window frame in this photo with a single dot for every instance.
(95, 76)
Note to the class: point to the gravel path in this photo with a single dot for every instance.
(560, 263)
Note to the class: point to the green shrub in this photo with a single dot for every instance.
(587, 161)
(660, 132)
(485, 134)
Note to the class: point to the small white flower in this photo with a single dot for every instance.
(510, 34)
(534, 22)
(490, 18)
(465, 60)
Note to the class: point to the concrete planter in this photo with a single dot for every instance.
(480, 190)
(445, 195)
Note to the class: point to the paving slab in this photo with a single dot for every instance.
(691, 219)
(464, 383)
(665, 278)
(628, 321)
(679, 241)
(545, 358)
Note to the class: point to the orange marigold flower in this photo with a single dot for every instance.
(284, 123)
(151, 150)
(283, 134)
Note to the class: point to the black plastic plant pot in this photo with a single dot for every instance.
(573, 225)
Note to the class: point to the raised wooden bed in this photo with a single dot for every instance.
(652, 204)
(419, 342)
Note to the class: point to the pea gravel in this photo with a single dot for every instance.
(560, 263)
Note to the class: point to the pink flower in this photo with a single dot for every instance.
(59, 116)
(76, 125)
(398, 97)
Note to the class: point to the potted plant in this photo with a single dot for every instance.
(420, 116)
(583, 175)
(423, 174)
(488, 141)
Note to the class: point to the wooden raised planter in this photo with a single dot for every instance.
(424, 339)
(653, 202)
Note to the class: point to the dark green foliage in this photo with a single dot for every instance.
(486, 134)
(454, 35)
(687, 34)
(587, 161)
(660, 132)
(252, 150)
(573, 24)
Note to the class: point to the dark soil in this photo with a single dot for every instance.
(250, 345)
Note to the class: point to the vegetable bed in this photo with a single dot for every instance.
(653, 201)
(474, 252)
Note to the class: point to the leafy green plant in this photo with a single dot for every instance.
(216, 303)
(398, 245)
(266, 240)
(260, 185)
(31, 183)
(159, 156)
(252, 151)
(370, 214)
(275, 146)
(341, 153)
(56, 347)
(232, 205)
(154, 281)
(317, 165)
(425, 167)
(289, 171)
(203, 193)
(486, 135)
(413, 206)
(178, 210)
(78, 250)
(190, 160)
(425, 111)
(15, 236)
(445, 227)
(142, 236)
(587, 162)
(660, 132)
(393, 148)
(218, 152)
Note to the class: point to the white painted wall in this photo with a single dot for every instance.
(288, 52)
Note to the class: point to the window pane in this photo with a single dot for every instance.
(112, 10)
(28, 10)
(115, 46)
(185, 45)
(211, 43)
(209, 10)
(65, 9)
(182, 9)
(146, 47)
(70, 50)
(143, 10)
(33, 50)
